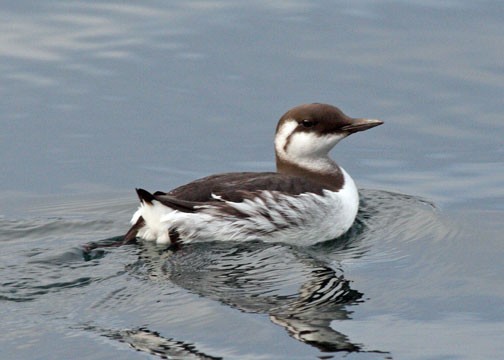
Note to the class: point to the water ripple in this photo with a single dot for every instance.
(301, 289)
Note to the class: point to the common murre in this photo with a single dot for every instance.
(309, 199)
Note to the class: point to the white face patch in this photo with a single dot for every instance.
(283, 134)
(302, 146)
(309, 145)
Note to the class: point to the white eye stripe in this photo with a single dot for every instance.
(283, 135)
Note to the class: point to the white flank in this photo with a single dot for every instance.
(155, 228)
(302, 220)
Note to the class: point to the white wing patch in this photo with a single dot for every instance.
(217, 197)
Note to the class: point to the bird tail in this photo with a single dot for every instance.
(130, 236)
(146, 198)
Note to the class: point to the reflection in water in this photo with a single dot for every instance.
(143, 339)
(302, 289)
(297, 292)
(320, 301)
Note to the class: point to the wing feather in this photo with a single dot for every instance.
(236, 187)
(218, 191)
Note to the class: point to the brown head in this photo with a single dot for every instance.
(306, 133)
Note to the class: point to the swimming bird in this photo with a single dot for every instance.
(309, 198)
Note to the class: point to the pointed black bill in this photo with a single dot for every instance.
(361, 125)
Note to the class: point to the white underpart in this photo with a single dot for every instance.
(306, 149)
(303, 219)
(154, 229)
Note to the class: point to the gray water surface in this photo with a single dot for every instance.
(98, 98)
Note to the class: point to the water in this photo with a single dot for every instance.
(98, 98)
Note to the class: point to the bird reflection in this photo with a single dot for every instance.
(301, 289)
(298, 292)
(145, 340)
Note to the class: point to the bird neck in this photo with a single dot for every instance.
(323, 171)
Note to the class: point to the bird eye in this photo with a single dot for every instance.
(308, 123)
